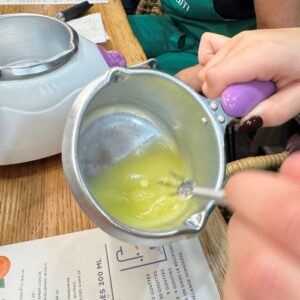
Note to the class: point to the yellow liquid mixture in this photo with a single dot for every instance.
(132, 190)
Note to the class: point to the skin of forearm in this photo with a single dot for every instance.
(277, 13)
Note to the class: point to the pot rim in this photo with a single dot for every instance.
(21, 71)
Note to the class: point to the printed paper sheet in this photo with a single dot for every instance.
(90, 265)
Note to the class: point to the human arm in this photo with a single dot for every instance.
(277, 13)
(190, 77)
(263, 234)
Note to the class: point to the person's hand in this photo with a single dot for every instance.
(190, 77)
(264, 234)
(255, 55)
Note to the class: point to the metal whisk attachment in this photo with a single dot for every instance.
(187, 189)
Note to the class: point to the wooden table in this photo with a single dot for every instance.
(35, 201)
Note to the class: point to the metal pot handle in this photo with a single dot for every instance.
(218, 113)
(239, 99)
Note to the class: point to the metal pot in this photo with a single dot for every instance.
(32, 45)
(122, 110)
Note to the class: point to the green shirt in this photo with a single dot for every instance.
(197, 16)
(173, 39)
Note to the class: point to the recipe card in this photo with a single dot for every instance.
(90, 265)
(91, 27)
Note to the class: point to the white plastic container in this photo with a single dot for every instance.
(44, 64)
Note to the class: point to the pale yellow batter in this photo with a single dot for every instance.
(133, 192)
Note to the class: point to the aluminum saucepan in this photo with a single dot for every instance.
(120, 112)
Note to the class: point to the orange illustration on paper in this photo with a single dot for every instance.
(4, 268)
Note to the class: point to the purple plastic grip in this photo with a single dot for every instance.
(239, 99)
(113, 58)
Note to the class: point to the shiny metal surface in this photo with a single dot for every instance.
(33, 44)
(122, 110)
(187, 189)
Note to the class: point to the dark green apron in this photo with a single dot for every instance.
(174, 38)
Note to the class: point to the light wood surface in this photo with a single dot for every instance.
(35, 201)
